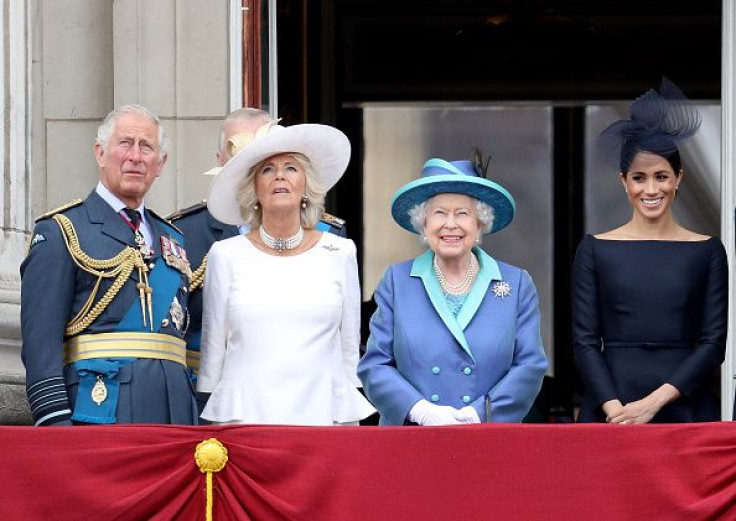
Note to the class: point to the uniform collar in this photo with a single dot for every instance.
(115, 202)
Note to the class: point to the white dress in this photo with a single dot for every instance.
(280, 335)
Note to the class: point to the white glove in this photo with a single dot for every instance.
(429, 414)
(468, 414)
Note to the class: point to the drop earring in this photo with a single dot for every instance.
(256, 207)
(305, 200)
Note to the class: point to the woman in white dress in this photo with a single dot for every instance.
(281, 319)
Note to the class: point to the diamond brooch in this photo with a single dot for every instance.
(501, 289)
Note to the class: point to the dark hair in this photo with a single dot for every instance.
(672, 157)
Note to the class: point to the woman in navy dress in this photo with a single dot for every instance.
(650, 299)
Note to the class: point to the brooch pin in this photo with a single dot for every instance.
(501, 289)
(330, 247)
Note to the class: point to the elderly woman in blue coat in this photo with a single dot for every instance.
(455, 338)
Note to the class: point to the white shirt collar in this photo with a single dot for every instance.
(115, 202)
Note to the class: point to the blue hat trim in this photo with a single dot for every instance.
(452, 177)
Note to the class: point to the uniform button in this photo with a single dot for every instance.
(152, 265)
(185, 289)
(468, 371)
(435, 370)
(165, 322)
(435, 398)
(466, 399)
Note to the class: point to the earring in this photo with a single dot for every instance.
(305, 200)
(256, 207)
(478, 240)
(423, 239)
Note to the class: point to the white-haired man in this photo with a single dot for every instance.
(104, 294)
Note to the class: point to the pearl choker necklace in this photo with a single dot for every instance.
(281, 245)
(464, 285)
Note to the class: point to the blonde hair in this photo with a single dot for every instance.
(314, 192)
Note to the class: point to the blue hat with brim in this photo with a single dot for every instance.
(452, 177)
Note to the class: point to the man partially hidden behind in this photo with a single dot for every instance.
(104, 294)
(238, 130)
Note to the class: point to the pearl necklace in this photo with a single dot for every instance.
(281, 245)
(461, 287)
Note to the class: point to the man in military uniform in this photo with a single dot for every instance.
(239, 128)
(104, 294)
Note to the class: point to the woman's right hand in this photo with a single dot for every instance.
(612, 408)
(429, 414)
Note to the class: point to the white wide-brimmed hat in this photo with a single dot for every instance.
(327, 148)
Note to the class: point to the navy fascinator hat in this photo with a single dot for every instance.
(658, 123)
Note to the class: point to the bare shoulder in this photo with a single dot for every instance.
(618, 234)
(694, 237)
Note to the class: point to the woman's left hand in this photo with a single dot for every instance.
(642, 411)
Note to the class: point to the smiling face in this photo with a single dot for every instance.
(280, 182)
(651, 185)
(131, 161)
(451, 226)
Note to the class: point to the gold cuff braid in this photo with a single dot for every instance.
(119, 266)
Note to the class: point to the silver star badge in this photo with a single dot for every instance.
(501, 289)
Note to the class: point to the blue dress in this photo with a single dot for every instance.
(647, 313)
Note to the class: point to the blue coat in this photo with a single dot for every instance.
(418, 350)
(54, 289)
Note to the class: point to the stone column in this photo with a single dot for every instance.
(14, 218)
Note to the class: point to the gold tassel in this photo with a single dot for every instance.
(210, 456)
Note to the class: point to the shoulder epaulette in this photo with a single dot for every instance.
(157, 216)
(178, 214)
(332, 220)
(62, 208)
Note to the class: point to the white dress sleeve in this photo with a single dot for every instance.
(350, 324)
(215, 328)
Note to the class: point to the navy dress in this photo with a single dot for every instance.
(647, 313)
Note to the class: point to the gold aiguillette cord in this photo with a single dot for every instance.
(144, 292)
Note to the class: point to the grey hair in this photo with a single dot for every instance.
(245, 113)
(105, 130)
(313, 190)
(484, 214)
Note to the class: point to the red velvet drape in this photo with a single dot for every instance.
(516, 472)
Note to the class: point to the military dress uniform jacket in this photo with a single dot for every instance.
(490, 356)
(201, 231)
(54, 291)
